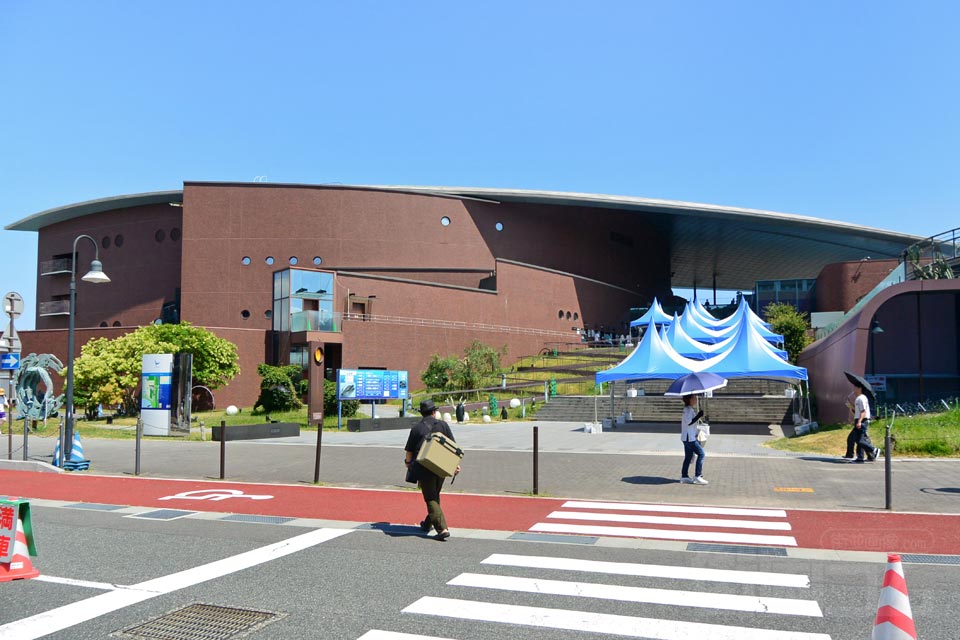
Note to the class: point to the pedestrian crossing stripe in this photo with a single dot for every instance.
(665, 534)
(699, 574)
(377, 634)
(686, 522)
(619, 593)
(619, 625)
(668, 508)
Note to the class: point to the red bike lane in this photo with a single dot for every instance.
(852, 531)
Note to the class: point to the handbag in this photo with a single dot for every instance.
(703, 432)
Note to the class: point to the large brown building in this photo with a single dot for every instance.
(383, 277)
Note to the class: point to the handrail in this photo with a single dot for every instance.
(935, 246)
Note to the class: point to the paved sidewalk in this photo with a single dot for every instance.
(616, 465)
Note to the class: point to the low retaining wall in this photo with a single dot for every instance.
(258, 431)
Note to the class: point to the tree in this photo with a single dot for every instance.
(439, 373)
(478, 367)
(108, 371)
(793, 325)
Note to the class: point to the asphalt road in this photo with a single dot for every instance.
(392, 580)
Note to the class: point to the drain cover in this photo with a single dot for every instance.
(200, 622)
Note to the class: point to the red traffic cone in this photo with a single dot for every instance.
(19, 567)
(894, 618)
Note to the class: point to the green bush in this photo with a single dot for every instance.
(277, 392)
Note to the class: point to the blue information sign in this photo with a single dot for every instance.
(10, 361)
(371, 384)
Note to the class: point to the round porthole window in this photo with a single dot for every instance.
(560, 314)
(105, 243)
(269, 260)
(568, 315)
(293, 260)
(498, 226)
(175, 234)
(245, 314)
(159, 235)
(268, 314)
(245, 260)
(118, 241)
(445, 221)
(576, 316)
(317, 260)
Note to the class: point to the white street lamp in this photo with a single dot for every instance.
(96, 276)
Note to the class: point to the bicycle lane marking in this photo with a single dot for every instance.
(499, 513)
(884, 532)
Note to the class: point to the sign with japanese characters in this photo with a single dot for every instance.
(371, 384)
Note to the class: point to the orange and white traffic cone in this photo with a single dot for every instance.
(19, 567)
(894, 618)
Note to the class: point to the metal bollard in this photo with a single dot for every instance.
(536, 466)
(136, 464)
(223, 449)
(316, 466)
(203, 432)
(888, 463)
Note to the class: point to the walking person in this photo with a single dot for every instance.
(430, 483)
(691, 446)
(859, 436)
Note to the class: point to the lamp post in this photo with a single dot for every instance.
(875, 330)
(96, 276)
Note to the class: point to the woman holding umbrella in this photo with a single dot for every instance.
(688, 386)
(691, 446)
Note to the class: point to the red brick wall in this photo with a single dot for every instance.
(143, 272)
(841, 285)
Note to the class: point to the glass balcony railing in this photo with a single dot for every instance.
(314, 321)
(53, 267)
(54, 308)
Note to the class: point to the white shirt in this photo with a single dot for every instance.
(688, 432)
(861, 406)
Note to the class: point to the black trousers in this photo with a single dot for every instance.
(860, 439)
(430, 486)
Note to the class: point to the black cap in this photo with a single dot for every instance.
(427, 407)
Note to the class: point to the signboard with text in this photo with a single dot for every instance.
(371, 384)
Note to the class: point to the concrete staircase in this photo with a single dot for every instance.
(651, 408)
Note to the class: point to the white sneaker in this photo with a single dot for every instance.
(700, 480)
(686, 481)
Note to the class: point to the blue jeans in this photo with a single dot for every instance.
(690, 448)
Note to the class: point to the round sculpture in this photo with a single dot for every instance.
(232, 410)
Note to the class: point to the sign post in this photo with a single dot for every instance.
(10, 361)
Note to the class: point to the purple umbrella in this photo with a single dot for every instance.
(699, 382)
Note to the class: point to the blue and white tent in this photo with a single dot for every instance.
(652, 359)
(751, 357)
(654, 313)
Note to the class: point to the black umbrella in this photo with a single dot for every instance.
(859, 381)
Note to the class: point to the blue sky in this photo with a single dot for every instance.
(840, 110)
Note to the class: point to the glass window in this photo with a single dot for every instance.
(245, 260)
(445, 221)
(498, 226)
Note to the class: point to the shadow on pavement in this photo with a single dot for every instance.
(942, 490)
(649, 480)
(716, 428)
(830, 459)
(396, 530)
